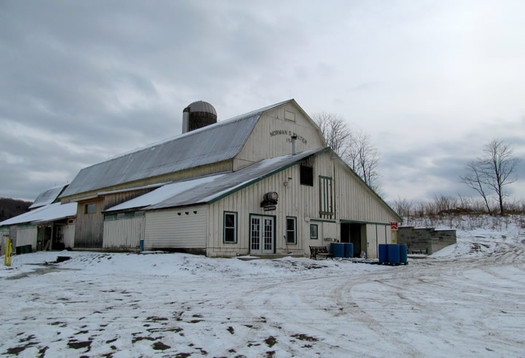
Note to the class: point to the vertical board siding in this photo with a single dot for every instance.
(352, 200)
(168, 229)
(276, 145)
(124, 234)
(69, 236)
(111, 200)
(4, 235)
(356, 201)
(89, 227)
(294, 200)
(372, 239)
(26, 236)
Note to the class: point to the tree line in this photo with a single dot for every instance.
(489, 175)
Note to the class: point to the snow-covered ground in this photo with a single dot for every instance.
(466, 300)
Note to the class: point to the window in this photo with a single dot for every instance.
(326, 201)
(129, 215)
(230, 227)
(288, 115)
(291, 230)
(110, 217)
(90, 208)
(314, 232)
(307, 175)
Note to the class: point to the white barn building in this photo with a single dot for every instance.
(262, 183)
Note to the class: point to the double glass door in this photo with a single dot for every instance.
(262, 235)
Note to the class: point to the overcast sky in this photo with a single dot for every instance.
(430, 81)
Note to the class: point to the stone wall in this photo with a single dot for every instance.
(425, 240)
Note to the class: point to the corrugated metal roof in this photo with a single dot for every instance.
(210, 188)
(211, 144)
(165, 192)
(47, 197)
(46, 213)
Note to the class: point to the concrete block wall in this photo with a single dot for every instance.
(425, 240)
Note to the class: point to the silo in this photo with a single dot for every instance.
(197, 115)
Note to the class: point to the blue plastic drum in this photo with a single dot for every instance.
(383, 253)
(349, 250)
(338, 249)
(393, 254)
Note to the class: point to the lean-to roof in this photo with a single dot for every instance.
(210, 188)
(52, 212)
(211, 144)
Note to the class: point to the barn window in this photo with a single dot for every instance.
(289, 116)
(291, 230)
(326, 198)
(307, 175)
(307, 171)
(110, 217)
(314, 232)
(90, 208)
(230, 227)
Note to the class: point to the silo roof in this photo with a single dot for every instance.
(201, 106)
(212, 144)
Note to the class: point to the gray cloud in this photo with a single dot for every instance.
(84, 81)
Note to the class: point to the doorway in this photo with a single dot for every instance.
(353, 233)
(262, 234)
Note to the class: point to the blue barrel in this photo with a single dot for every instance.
(349, 250)
(141, 245)
(393, 254)
(338, 250)
(403, 257)
(383, 253)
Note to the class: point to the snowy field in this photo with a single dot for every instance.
(467, 300)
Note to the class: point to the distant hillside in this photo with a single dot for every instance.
(12, 207)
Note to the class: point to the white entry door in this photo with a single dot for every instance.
(261, 235)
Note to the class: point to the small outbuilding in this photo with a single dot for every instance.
(49, 225)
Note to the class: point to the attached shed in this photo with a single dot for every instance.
(45, 228)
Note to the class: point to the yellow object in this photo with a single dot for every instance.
(8, 252)
(394, 236)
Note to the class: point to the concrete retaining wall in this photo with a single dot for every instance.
(425, 240)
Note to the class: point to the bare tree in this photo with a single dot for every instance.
(498, 168)
(335, 132)
(363, 158)
(473, 179)
(404, 207)
(492, 172)
(354, 147)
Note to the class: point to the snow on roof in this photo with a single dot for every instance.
(206, 189)
(46, 213)
(47, 197)
(211, 144)
(166, 191)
